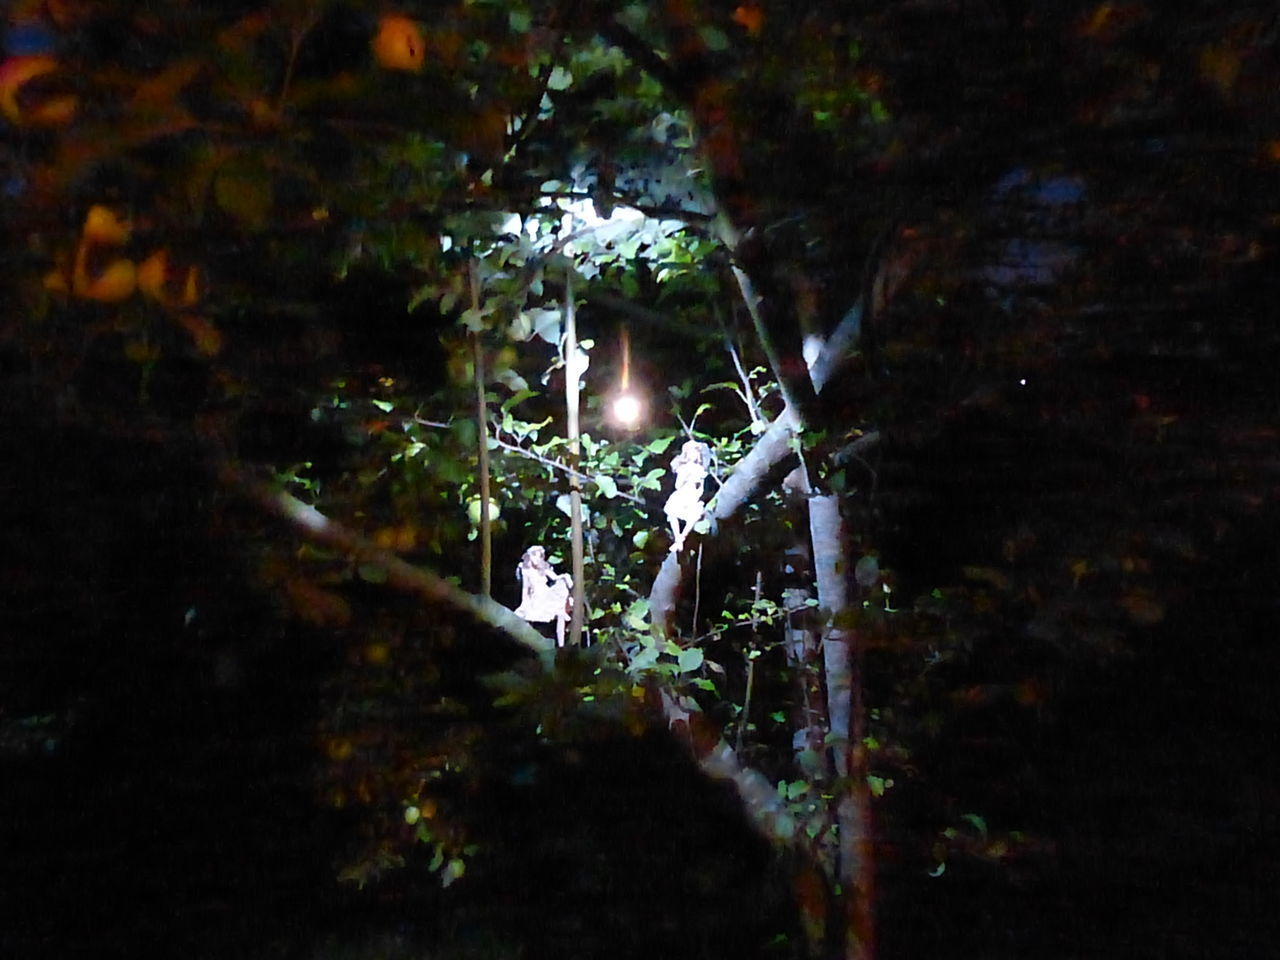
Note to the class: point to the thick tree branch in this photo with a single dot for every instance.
(402, 576)
(773, 446)
(766, 809)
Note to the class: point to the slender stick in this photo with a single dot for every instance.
(571, 391)
(746, 704)
(697, 593)
(751, 661)
(748, 397)
(482, 441)
(536, 457)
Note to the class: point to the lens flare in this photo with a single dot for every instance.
(627, 409)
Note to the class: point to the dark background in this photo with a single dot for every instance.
(158, 716)
(165, 798)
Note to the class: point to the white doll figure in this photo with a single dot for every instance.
(544, 594)
(685, 503)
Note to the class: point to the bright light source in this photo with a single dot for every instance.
(627, 409)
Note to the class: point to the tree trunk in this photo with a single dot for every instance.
(842, 662)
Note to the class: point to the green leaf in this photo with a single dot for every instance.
(977, 822)
(660, 445)
(372, 573)
(689, 660)
(512, 380)
(545, 323)
(560, 79)
(810, 761)
(608, 487)
(386, 406)
(645, 659)
(877, 784)
(636, 614)
(453, 870)
(518, 397)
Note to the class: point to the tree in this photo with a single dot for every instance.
(226, 168)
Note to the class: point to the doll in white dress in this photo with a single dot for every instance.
(544, 594)
(684, 507)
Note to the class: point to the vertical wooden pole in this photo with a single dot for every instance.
(482, 440)
(571, 390)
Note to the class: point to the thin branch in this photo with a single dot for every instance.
(748, 396)
(296, 36)
(744, 718)
(482, 440)
(697, 592)
(571, 392)
(537, 458)
(529, 119)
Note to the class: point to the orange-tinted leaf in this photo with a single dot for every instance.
(398, 44)
(1142, 607)
(101, 225)
(27, 108)
(170, 285)
(106, 283)
(750, 17)
(205, 335)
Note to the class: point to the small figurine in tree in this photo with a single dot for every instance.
(685, 503)
(545, 595)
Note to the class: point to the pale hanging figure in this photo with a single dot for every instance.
(544, 594)
(684, 507)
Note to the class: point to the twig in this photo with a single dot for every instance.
(747, 397)
(697, 591)
(482, 445)
(537, 457)
(296, 36)
(746, 703)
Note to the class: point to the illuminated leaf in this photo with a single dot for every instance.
(689, 660)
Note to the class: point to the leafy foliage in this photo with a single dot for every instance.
(281, 232)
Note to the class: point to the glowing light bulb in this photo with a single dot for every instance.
(627, 409)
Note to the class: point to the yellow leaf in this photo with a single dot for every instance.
(101, 225)
(169, 285)
(111, 284)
